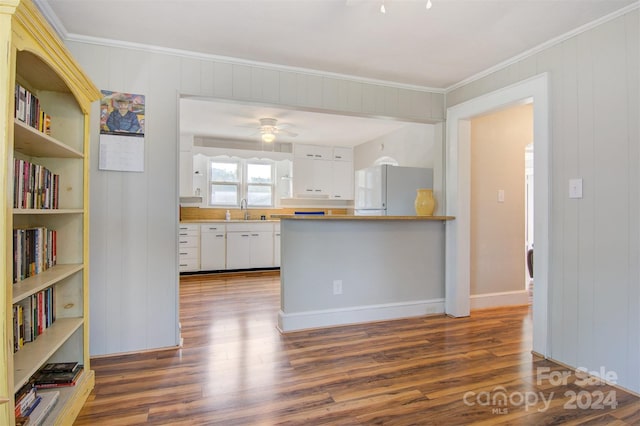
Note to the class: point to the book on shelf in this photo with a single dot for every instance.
(29, 111)
(60, 367)
(39, 414)
(34, 251)
(34, 186)
(32, 316)
(44, 380)
(24, 399)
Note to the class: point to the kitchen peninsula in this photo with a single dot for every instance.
(346, 269)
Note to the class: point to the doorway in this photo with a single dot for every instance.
(457, 276)
(498, 216)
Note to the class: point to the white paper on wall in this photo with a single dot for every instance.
(121, 153)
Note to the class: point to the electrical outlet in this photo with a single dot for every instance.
(337, 287)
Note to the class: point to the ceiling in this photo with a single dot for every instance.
(409, 45)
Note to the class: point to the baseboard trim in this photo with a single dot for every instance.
(495, 300)
(360, 314)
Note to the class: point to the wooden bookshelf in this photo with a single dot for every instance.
(39, 62)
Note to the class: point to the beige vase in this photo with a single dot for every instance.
(425, 203)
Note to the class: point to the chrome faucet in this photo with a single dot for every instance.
(243, 207)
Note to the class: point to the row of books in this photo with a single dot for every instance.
(26, 400)
(28, 110)
(57, 375)
(34, 251)
(32, 405)
(34, 186)
(46, 402)
(32, 316)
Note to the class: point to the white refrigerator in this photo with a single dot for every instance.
(388, 190)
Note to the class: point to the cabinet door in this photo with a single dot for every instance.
(341, 153)
(322, 177)
(238, 250)
(342, 187)
(312, 151)
(261, 249)
(212, 251)
(303, 182)
(276, 248)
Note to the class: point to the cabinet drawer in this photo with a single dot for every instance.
(249, 227)
(188, 241)
(188, 229)
(212, 228)
(187, 265)
(188, 252)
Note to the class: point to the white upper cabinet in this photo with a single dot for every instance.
(323, 171)
(313, 152)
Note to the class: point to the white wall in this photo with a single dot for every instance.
(388, 269)
(594, 290)
(412, 146)
(134, 216)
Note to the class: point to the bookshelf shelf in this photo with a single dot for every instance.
(47, 211)
(50, 87)
(33, 355)
(36, 283)
(30, 141)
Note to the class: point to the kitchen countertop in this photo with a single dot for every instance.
(354, 217)
(229, 221)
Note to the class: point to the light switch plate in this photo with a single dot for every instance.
(501, 195)
(575, 188)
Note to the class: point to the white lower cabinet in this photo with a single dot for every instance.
(239, 250)
(217, 246)
(213, 247)
(262, 249)
(276, 244)
(249, 245)
(189, 247)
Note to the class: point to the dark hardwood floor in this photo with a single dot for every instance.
(236, 369)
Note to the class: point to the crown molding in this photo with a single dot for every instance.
(544, 46)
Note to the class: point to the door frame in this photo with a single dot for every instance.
(458, 200)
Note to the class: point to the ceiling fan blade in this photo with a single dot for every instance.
(288, 132)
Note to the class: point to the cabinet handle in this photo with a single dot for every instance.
(183, 234)
(309, 190)
(318, 156)
(219, 235)
(318, 190)
(254, 235)
(309, 155)
(184, 264)
(337, 196)
(339, 157)
(213, 229)
(245, 235)
(183, 253)
(184, 242)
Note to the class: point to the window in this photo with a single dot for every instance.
(259, 184)
(234, 179)
(224, 182)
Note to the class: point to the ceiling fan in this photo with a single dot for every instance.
(269, 128)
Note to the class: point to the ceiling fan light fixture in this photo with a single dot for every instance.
(268, 136)
(429, 4)
(383, 10)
